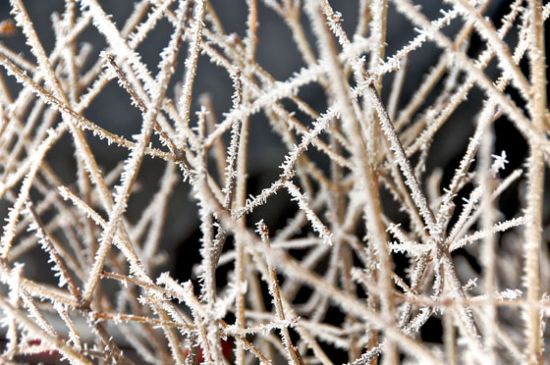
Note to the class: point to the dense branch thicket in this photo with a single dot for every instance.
(381, 243)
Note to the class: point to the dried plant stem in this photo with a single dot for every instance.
(387, 213)
(535, 186)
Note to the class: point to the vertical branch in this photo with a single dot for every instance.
(378, 27)
(488, 250)
(191, 65)
(293, 355)
(241, 173)
(535, 185)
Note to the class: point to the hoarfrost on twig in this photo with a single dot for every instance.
(263, 292)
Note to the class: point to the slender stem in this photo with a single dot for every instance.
(535, 186)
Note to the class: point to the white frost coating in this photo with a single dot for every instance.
(379, 230)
